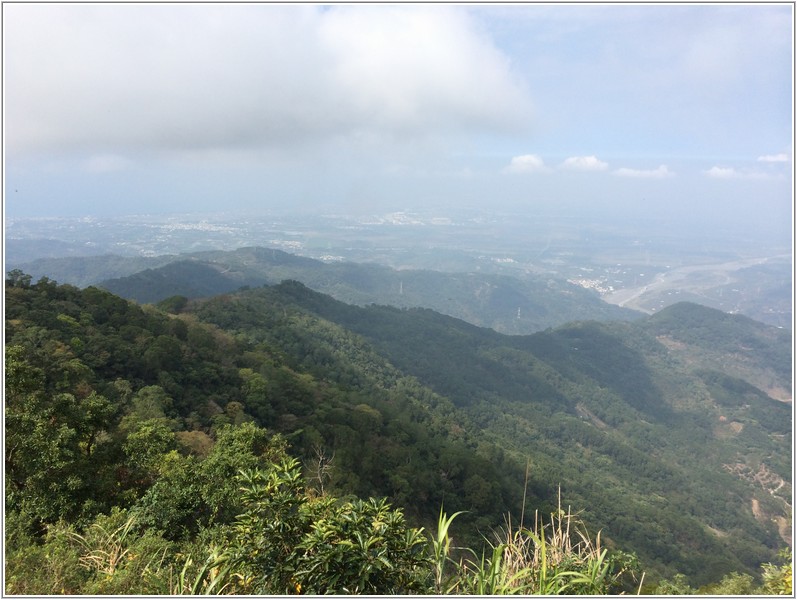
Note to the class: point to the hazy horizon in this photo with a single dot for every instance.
(679, 112)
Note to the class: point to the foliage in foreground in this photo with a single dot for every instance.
(287, 541)
(550, 559)
(290, 539)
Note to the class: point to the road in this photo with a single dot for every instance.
(716, 274)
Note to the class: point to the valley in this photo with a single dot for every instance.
(644, 266)
(727, 286)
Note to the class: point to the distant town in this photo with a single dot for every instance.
(644, 269)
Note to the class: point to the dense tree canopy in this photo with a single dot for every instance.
(138, 428)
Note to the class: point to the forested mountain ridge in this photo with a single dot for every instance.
(101, 393)
(587, 402)
(683, 464)
(83, 271)
(733, 344)
(504, 303)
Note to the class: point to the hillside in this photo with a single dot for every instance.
(686, 465)
(83, 270)
(586, 403)
(733, 344)
(506, 304)
(136, 364)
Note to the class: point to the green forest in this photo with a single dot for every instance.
(274, 440)
(501, 302)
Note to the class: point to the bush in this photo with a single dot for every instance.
(288, 541)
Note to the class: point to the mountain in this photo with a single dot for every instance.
(504, 303)
(85, 270)
(669, 453)
(733, 344)
(668, 458)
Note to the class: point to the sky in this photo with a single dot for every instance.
(680, 109)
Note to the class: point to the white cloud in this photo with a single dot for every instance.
(721, 172)
(584, 163)
(659, 173)
(105, 78)
(418, 66)
(731, 173)
(782, 157)
(526, 163)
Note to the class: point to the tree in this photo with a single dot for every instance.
(778, 578)
(146, 446)
(287, 541)
(733, 584)
(18, 278)
(163, 354)
(149, 403)
(677, 586)
(173, 304)
(50, 440)
(191, 494)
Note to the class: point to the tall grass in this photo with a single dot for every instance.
(554, 557)
(444, 567)
(213, 577)
(105, 549)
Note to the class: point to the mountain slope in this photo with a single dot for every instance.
(83, 271)
(504, 303)
(631, 431)
(386, 434)
(733, 344)
(686, 465)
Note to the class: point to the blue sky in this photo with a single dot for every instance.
(648, 109)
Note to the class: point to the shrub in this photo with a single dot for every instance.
(289, 541)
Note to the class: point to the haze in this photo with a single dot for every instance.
(678, 111)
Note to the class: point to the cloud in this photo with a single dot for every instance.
(731, 173)
(527, 163)
(104, 78)
(782, 157)
(721, 172)
(584, 163)
(659, 173)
